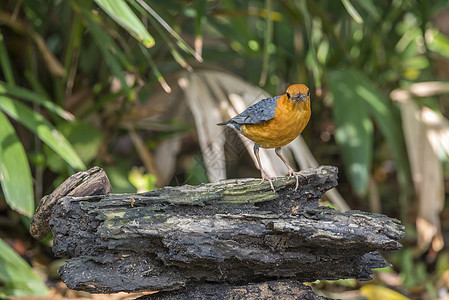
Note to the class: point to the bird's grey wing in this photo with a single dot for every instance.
(260, 112)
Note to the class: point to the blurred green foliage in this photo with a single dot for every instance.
(16, 276)
(71, 70)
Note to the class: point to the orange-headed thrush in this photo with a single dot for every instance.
(274, 122)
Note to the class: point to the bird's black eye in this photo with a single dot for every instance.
(308, 92)
(288, 95)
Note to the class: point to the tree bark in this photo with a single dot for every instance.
(230, 232)
(279, 289)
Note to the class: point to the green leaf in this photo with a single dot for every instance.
(84, 138)
(109, 50)
(174, 52)
(438, 42)
(352, 11)
(156, 71)
(142, 182)
(43, 129)
(354, 129)
(181, 43)
(369, 6)
(25, 94)
(387, 117)
(122, 14)
(5, 62)
(15, 175)
(16, 276)
(200, 9)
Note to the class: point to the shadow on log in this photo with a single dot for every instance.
(230, 232)
(279, 289)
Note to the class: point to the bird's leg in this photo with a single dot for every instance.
(262, 172)
(291, 172)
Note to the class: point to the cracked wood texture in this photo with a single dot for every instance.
(230, 232)
(279, 289)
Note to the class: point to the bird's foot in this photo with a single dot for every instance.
(292, 173)
(270, 180)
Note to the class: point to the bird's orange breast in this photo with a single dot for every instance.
(290, 119)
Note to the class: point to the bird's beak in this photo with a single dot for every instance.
(302, 97)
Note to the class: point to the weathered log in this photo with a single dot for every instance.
(92, 182)
(233, 231)
(279, 289)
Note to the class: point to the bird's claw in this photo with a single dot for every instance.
(270, 180)
(292, 173)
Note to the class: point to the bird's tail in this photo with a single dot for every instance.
(233, 125)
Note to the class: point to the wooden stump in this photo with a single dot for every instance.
(228, 233)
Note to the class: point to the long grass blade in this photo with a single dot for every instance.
(15, 174)
(17, 277)
(4, 61)
(200, 6)
(156, 71)
(43, 129)
(356, 86)
(352, 11)
(105, 44)
(354, 130)
(167, 27)
(173, 51)
(24, 94)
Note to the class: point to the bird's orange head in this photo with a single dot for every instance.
(298, 92)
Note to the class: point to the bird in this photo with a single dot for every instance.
(274, 122)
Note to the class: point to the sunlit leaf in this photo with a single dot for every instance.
(352, 11)
(43, 129)
(15, 175)
(437, 42)
(142, 182)
(122, 14)
(16, 276)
